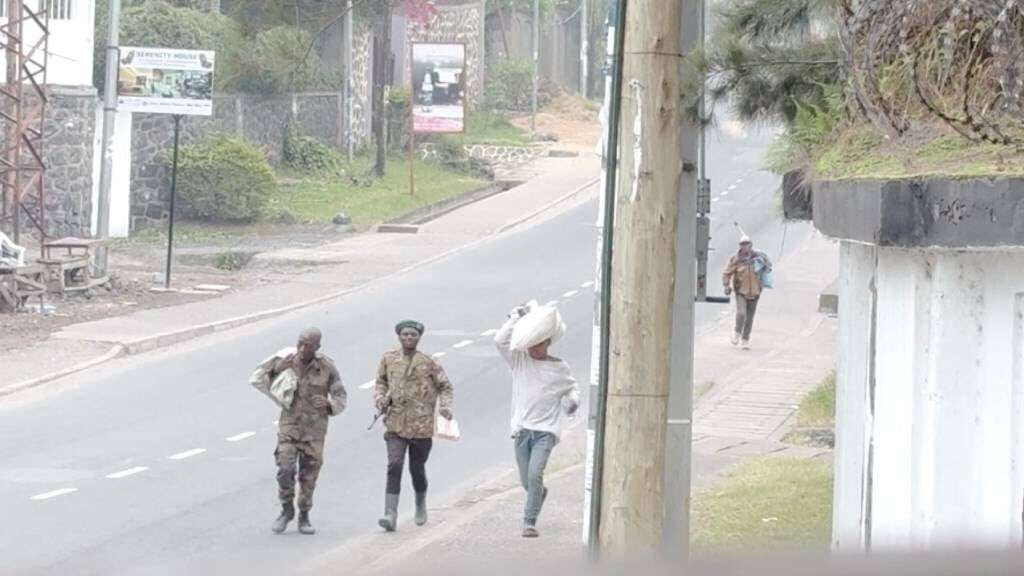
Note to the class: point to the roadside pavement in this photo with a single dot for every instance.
(745, 412)
(332, 270)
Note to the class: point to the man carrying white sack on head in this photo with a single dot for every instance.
(544, 397)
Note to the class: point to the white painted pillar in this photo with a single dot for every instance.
(937, 462)
(120, 188)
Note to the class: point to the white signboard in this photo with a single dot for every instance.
(165, 81)
(438, 88)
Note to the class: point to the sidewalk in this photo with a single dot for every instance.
(336, 269)
(743, 415)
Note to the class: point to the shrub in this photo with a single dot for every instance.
(157, 23)
(224, 179)
(510, 85)
(308, 154)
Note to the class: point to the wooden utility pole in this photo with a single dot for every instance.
(381, 73)
(643, 276)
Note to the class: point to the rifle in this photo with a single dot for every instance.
(380, 414)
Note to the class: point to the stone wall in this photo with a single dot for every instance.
(262, 121)
(456, 23)
(68, 151)
(68, 131)
(496, 156)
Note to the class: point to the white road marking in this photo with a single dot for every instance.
(731, 188)
(53, 494)
(490, 332)
(462, 344)
(240, 437)
(726, 193)
(276, 422)
(714, 200)
(739, 180)
(587, 284)
(188, 453)
(127, 473)
(368, 385)
(570, 293)
(439, 355)
(552, 303)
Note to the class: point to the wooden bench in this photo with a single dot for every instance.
(17, 285)
(69, 267)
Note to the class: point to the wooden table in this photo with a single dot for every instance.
(69, 271)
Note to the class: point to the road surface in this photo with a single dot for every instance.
(163, 462)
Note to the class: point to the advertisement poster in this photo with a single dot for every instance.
(166, 81)
(438, 88)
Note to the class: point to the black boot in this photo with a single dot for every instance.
(287, 514)
(390, 520)
(304, 526)
(421, 508)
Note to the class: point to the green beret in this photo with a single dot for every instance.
(409, 324)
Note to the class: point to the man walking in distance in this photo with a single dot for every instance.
(544, 396)
(302, 426)
(409, 386)
(741, 276)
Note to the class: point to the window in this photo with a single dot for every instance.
(57, 9)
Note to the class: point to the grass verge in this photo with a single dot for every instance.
(315, 199)
(768, 503)
(816, 419)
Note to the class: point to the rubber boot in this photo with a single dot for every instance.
(287, 514)
(390, 520)
(304, 526)
(421, 508)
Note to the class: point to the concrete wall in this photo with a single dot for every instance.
(70, 41)
(931, 398)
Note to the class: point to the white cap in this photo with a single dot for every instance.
(745, 240)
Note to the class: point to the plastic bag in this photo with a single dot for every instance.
(282, 389)
(540, 323)
(446, 429)
(763, 271)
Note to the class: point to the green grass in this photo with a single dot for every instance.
(862, 153)
(371, 200)
(769, 503)
(818, 408)
(490, 128)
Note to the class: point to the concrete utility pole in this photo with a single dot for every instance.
(679, 438)
(536, 65)
(109, 116)
(643, 277)
(584, 48)
(348, 127)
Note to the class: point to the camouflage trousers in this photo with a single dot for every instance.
(298, 458)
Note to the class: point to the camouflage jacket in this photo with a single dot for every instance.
(415, 387)
(303, 421)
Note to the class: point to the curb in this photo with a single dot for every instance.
(165, 339)
(429, 212)
(510, 225)
(114, 352)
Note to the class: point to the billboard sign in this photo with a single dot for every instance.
(165, 81)
(438, 88)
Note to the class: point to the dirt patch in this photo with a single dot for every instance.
(572, 119)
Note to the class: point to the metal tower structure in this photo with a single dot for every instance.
(24, 40)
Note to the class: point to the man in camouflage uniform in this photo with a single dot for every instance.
(409, 385)
(302, 426)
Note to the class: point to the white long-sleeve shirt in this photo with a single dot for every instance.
(540, 388)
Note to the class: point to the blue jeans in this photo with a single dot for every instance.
(532, 452)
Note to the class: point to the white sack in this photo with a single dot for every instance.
(540, 323)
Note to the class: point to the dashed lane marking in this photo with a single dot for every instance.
(127, 473)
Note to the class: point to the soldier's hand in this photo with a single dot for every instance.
(446, 413)
(728, 290)
(382, 404)
(319, 402)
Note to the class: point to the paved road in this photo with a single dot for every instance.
(163, 462)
